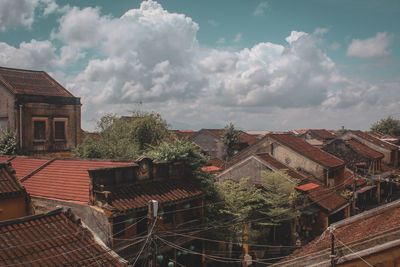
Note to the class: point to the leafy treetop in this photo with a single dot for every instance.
(230, 137)
(387, 126)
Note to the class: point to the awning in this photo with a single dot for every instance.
(365, 188)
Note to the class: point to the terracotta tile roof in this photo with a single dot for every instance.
(211, 169)
(280, 166)
(357, 228)
(9, 184)
(51, 239)
(243, 138)
(307, 187)
(369, 152)
(326, 198)
(373, 139)
(66, 179)
(25, 166)
(324, 134)
(183, 133)
(308, 150)
(166, 192)
(4, 158)
(218, 163)
(31, 83)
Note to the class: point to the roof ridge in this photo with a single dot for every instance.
(31, 217)
(37, 170)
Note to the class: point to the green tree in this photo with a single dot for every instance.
(8, 143)
(124, 137)
(230, 137)
(387, 126)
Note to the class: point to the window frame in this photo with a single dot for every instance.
(65, 120)
(45, 120)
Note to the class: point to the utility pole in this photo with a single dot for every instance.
(152, 211)
(332, 256)
(354, 191)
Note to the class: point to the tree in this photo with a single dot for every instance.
(387, 126)
(8, 142)
(230, 137)
(125, 137)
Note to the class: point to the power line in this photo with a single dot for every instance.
(352, 251)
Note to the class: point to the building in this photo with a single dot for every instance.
(14, 201)
(371, 238)
(56, 238)
(210, 142)
(317, 137)
(123, 194)
(389, 150)
(43, 114)
(299, 155)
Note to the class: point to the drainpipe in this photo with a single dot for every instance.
(20, 126)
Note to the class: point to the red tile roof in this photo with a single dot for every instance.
(373, 139)
(4, 158)
(308, 150)
(51, 239)
(307, 187)
(9, 184)
(218, 163)
(280, 166)
(31, 83)
(326, 198)
(183, 133)
(324, 134)
(211, 169)
(66, 179)
(243, 136)
(25, 166)
(369, 152)
(166, 192)
(357, 228)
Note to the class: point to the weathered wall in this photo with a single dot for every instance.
(210, 144)
(296, 160)
(50, 112)
(263, 146)
(7, 107)
(11, 208)
(249, 168)
(93, 217)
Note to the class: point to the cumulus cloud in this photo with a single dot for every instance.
(261, 9)
(377, 46)
(17, 13)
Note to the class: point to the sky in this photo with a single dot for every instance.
(263, 65)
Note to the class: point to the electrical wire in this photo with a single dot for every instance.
(352, 250)
(147, 239)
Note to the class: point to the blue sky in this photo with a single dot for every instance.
(263, 65)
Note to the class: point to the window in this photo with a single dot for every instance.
(59, 130)
(119, 226)
(39, 130)
(3, 123)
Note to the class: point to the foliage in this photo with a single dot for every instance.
(280, 196)
(387, 126)
(341, 131)
(269, 205)
(125, 137)
(8, 142)
(230, 137)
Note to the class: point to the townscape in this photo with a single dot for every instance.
(136, 192)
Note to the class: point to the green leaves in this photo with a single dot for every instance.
(230, 137)
(387, 126)
(125, 137)
(8, 142)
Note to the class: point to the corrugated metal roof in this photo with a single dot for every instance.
(369, 152)
(25, 166)
(66, 179)
(373, 139)
(51, 239)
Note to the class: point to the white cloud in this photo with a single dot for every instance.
(294, 36)
(17, 13)
(261, 9)
(238, 37)
(377, 46)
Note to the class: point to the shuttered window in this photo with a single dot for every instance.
(59, 130)
(39, 130)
